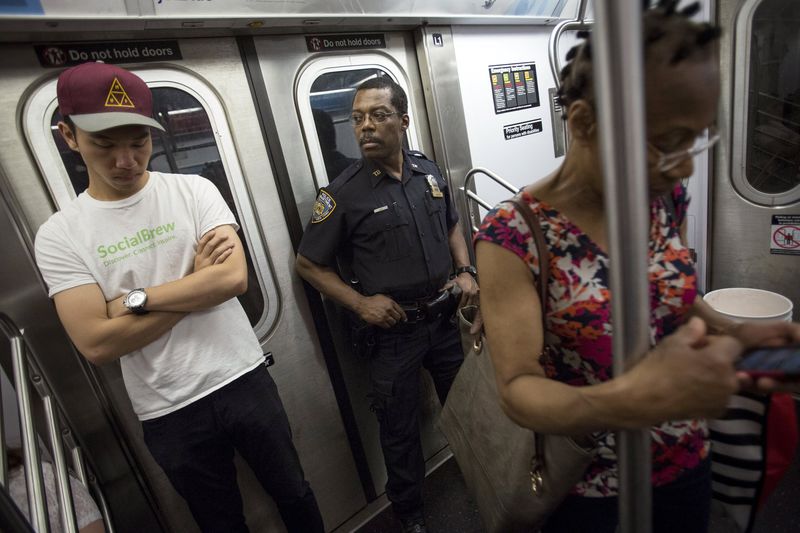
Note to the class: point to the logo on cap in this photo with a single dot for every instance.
(117, 97)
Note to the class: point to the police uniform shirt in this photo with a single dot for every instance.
(394, 233)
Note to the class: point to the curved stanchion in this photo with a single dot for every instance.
(469, 194)
(566, 25)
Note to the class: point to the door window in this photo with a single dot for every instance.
(331, 100)
(772, 135)
(325, 93)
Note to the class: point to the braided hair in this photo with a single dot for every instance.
(670, 36)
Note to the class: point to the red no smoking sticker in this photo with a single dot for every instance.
(785, 235)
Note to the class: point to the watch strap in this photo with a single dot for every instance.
(469, 269)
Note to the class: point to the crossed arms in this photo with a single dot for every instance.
(105, 331)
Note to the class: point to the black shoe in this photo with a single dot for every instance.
(413, 525)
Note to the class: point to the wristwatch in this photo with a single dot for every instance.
(469, 269)
(135, 301)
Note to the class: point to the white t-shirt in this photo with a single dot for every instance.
(146, 240)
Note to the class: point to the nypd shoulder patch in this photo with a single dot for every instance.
(323, 207)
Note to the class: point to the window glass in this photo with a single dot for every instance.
(331, 100)
(773, 144)
(187, 147)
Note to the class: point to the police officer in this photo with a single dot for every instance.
(390, 217)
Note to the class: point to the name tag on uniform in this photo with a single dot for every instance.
(379, 209)
(435, 191)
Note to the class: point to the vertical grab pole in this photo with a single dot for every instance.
(30, 444)
(619, 89)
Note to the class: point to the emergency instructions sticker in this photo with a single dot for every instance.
(514, 86)
(785, 235)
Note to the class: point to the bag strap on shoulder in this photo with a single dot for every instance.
(541, 247)
(535, 227)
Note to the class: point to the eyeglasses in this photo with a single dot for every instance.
(377, 117)
(670, 160)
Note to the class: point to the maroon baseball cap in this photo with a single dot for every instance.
(98, 96)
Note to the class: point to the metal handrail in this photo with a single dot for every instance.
(25, 371)
(578, 23)
(471, 195)
(102, 503)
(30, 445)
(88, 480)
(66, 506)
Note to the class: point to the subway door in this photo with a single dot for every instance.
(308, 90)
(756, 196)
(212, 129)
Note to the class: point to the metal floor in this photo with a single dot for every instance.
(448, 506)
(450, 509)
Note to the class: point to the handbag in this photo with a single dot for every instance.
(516, 476)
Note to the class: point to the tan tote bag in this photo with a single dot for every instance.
(516, 476)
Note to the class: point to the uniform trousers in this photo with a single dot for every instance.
(395, 365)
(195, 447)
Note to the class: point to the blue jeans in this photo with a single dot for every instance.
(399, 355)
(682, 506)
(195, 447)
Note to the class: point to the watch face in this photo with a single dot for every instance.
(136, 299)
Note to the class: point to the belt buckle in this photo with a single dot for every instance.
(415, 314)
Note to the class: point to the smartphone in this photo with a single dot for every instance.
(780, 362)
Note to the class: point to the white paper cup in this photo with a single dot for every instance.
(742, 304)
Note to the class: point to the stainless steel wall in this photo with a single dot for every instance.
(740, 230)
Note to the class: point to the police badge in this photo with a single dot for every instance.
(323, 207)
(435, 191)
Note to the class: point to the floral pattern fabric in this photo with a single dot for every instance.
(578, 326)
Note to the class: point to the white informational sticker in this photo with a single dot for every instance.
(785, 235)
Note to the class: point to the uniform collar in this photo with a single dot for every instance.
(377, 172)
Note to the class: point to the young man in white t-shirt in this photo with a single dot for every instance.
(145, 267)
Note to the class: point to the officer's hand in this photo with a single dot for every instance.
(213, 249)
(380, 310)
(469, 289)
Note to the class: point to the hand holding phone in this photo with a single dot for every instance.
(781, 363)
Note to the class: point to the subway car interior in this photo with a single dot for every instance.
(255, 96)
